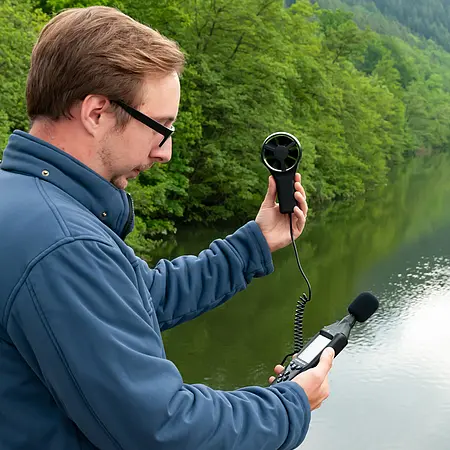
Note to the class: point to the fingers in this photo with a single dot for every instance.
(299, 223)
(321, 392)
(299, 188)
(300, 194)
(301, 211)
(325, 363)
(278, 369)
(325, 389)
(301, 203)
(315, 381)
(271, 195)
(324, 393)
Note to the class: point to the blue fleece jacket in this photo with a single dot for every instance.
(82, 363)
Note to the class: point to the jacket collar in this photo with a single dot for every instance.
(34, 157)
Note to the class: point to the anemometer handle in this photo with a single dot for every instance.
(281, 152)
(285, 192)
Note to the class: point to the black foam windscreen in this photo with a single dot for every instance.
(363, 306)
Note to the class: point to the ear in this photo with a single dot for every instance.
(95, 115)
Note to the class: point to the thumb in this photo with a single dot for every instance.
(326, 362)
(271, 195)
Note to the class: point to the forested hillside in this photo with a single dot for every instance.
(429, 18)
(360, 101)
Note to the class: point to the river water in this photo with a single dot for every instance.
(390, 387)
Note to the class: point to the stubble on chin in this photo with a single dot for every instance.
(119, 182)
(106, 157)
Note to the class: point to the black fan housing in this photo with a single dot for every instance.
(281, 152)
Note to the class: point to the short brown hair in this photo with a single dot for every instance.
(95, 50)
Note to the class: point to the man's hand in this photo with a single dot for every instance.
(314, 381)
(274, 225)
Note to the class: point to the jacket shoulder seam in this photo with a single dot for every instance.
(61, 222)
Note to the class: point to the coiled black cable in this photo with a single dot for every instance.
(301, 303)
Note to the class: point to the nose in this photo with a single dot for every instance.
(164, 153)
(167, 150)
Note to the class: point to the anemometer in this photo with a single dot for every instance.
(281, 153)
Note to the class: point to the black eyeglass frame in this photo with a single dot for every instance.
(146, 120)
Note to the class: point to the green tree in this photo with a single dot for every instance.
(19, 26)
(358, 88)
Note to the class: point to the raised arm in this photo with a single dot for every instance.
(190, 285)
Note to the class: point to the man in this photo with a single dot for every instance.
(82, 363)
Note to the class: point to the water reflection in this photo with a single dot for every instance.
(391, 385)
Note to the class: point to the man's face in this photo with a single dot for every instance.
(127, 152)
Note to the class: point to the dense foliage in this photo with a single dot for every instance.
(359, 100)
(430, 18)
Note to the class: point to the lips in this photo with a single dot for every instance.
(134, 173)
(140, 169)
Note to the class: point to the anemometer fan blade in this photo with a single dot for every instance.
(269, 147)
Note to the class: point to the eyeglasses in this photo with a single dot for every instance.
(153, 124)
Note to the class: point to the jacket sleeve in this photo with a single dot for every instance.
(188, 286)
(82, 326)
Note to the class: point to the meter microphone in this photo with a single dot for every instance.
(335, 335)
